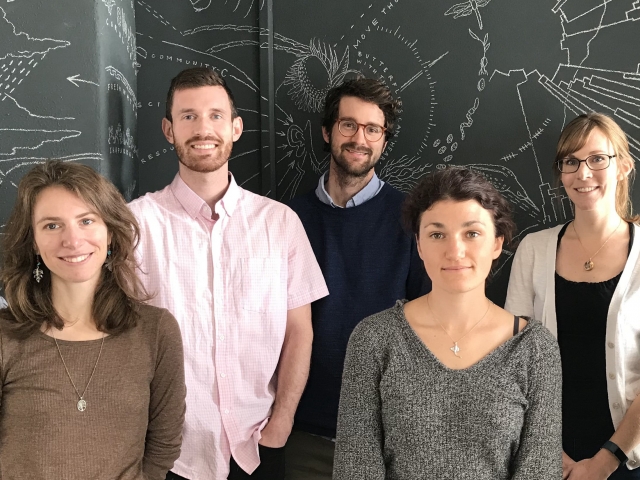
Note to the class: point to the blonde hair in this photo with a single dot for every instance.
(574, 136)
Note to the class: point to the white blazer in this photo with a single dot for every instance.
(531, 292)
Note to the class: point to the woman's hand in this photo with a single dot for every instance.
(567, 465)
(598, 467)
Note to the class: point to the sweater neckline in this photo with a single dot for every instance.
(371, 203)
(489, 358)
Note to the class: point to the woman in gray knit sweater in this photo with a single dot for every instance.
(451, 386)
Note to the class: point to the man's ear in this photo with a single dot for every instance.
(167, 129)
(237, 126)
(325, 135)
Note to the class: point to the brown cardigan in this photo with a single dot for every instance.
(132, 426)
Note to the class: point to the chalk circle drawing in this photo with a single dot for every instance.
(200, 5)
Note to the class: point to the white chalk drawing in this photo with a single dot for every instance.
(20, 128)
(4, 96)
(109, 4)
(156, 15)
(236, 5)
(121, 141)
(21, 45)
(403, 173)
(199, 5)
(302, 91)
(128, 90)
(465, 9)
(75, 80)
(381, 40)
(31, 138)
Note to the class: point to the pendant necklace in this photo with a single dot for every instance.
(455, 349)
(588, 265)
(82, 403)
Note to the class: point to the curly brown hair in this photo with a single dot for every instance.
(459, 184)
(118, 295)
(368, 90)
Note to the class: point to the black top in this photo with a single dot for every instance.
(581, 311)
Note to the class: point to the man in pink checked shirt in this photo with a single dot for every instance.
(238, 273)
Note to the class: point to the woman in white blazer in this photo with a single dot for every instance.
(582, 280)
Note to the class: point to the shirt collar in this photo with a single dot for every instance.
(367, 193)
(196, 206)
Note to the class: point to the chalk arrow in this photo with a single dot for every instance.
(75, 79)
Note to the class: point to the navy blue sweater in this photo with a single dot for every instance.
(368, 262)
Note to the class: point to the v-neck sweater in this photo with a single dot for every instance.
(405, 415)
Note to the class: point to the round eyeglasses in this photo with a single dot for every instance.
(372, 132)
(594, 162)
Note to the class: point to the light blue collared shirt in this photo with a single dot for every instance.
(367, 193)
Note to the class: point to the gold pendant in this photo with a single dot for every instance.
(588, 265)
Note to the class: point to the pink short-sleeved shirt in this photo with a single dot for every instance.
(229, 283)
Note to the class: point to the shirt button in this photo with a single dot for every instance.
(610, 345)
(221, 337)
(616, 405)
(226, 410)
(223, 375)
(612, 376)
(632, 462)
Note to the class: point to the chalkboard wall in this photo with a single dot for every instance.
(484, 83)
(67, 89)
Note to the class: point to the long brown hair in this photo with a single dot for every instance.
(119, 292)
(575, 135)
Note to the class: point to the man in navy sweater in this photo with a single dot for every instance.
(368, 260)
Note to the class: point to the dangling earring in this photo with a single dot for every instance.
(38, 273)
(107, 261)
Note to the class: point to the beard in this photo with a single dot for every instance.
(204, 164)
(351, 171)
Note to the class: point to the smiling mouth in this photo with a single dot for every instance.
(203, 147)
(586, 189)
(357, 152)
(78, 259)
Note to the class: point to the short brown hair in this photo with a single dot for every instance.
(194, 78)
(119, 293)
(459, 184)
(368, 90)
(575, 135)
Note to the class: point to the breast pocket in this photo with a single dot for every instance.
(261, 284)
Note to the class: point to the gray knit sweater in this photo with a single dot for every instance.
(404, 415)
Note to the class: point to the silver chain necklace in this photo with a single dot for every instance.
(455, 349)
(82, 403)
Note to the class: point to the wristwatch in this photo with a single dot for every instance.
(616, 450)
